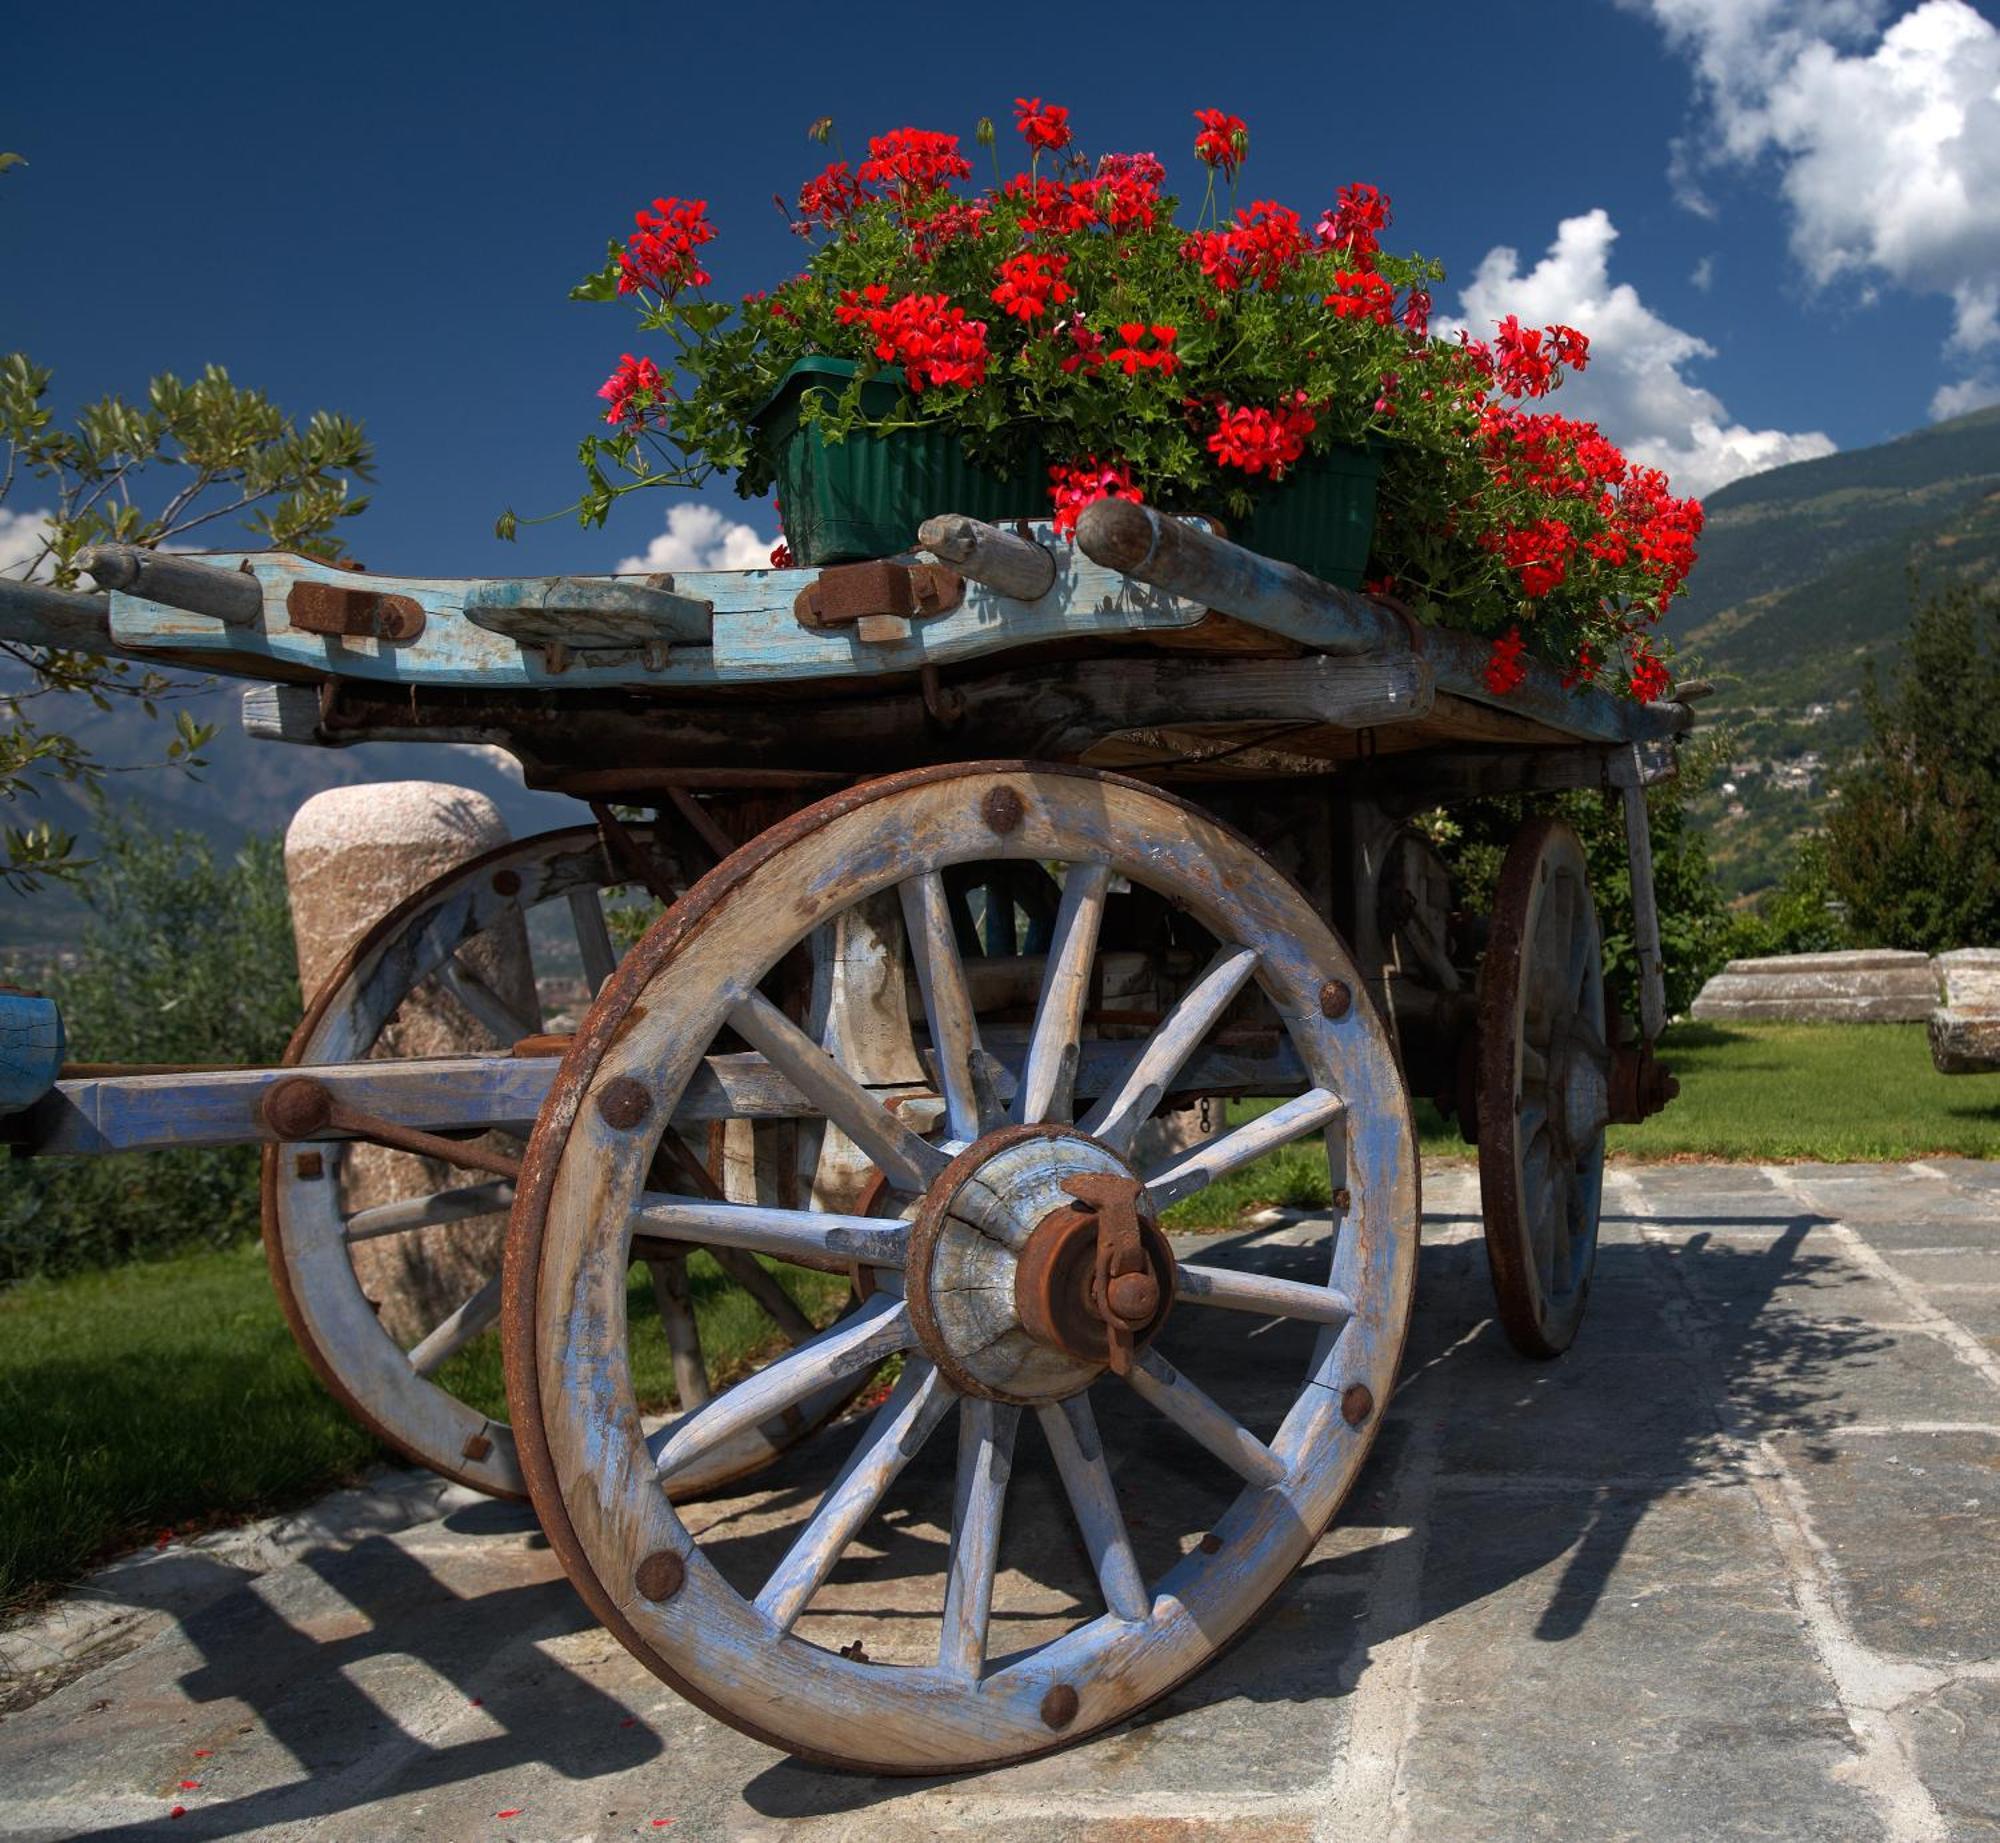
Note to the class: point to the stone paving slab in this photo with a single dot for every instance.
(1728, 1570)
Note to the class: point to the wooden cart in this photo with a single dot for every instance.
(989, 873)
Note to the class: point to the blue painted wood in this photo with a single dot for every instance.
(31, 1048)
(756, 637)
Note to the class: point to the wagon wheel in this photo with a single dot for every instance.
(990, 1294)
(309, 1228)
(1543, 1088)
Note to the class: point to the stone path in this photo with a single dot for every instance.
(1731, 1569)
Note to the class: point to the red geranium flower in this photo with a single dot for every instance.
(1262, 441)
(1042, 128)
(1223, 141)
(830, 196)
(914, 160)
(1651, 681)
(1361, 294)
(931, 339)
(1354, 223)
(1504, 669)
(1145, 348)
(633, 390)
(1073, 488)
(660, 254)
(1030, 284)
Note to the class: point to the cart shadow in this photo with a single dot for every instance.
(1583, 1447)
(1665, 1389)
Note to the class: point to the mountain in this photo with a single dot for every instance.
(247, 786)
(1806, 576)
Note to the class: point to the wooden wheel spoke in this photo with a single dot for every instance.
(674, 1300)
(457, 1331)
(1534, 1067)
(848, 1347)
(1050, 1069)
(1235, 1291)
(764, 1287)
(927, 920)
(441, 1206)
(908, 1161)
(1117, 1117)
(1158, 1383)
(593, 938)
(900, 1426)
(809, 1237)
(493, 1013)
(1216, 1158)
(985, 1462)
(1071, 1431)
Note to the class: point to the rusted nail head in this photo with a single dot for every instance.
(624, 1102)
(310, 1165)
(1336, 998)
(476, 1446)
(506, 882)
(1059, 1706)
(298, 1107)
(660, 1575)
(1357, 1403)
(1211, 1543)
(1343, 1198)
(1002, 809)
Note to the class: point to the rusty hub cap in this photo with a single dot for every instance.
(1035, 1265)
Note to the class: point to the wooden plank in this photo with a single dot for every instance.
(101, 1114)
(756, 636)
(589, 613)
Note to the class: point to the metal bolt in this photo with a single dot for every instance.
(1343, 1198)
(661, 1575)
(857, 1651)
(476, 1447)
(1357, 1403)
(310, 1165)
(1134, 1297)
(624, 1102)
(298, 1107)
(1211, 1543)
(1002, 809)
(1059, 1706)
(506, 882)
(1336, 998)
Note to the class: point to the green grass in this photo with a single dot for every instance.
(168, 1395)
(1770, 1093)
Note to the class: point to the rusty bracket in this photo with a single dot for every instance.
(878, 600)
(1123, 1292)
(1640, 1086)
(299, 1107)
(353, 613)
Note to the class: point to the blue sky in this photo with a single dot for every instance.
(1779, 219)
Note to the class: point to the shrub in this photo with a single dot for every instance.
(186, 957)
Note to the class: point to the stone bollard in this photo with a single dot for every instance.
(352, 854)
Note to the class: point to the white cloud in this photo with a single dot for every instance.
(698, 537)
(1636, 388)
(1704, 274)
(1962, 398)
(1888, 146)
(21, 537)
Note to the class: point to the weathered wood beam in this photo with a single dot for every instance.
(1174, 555)
(1016, 567)
(100, 1114)
(178, 582)
(33, 614)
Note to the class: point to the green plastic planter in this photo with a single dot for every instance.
(866, 496)
(1321, 516)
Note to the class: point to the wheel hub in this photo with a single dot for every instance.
(1579, 1092)
(1035, 1265)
